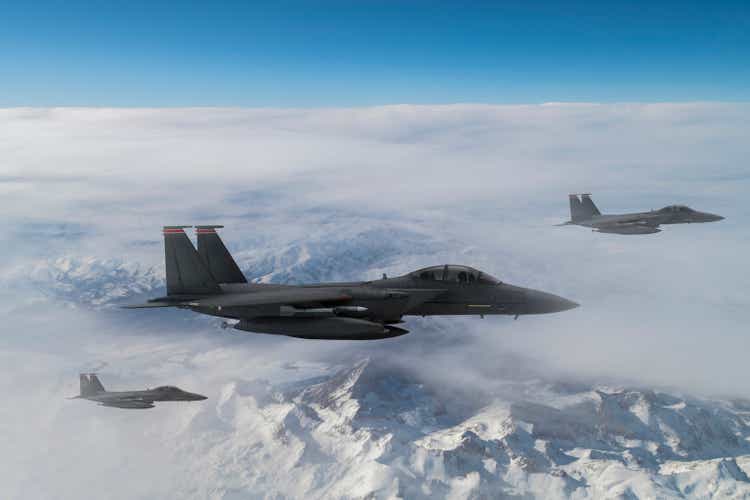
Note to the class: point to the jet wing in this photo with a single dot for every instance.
(638, 222)
(132, 404)
(283, 296)
(632, 226)
(646, 219)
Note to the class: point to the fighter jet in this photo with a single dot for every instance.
(208, 281)
(583, 212)
(93, 390)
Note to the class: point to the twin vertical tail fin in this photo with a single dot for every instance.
(217, 258)
(187, 274)
(576, 208)
(582, 208)
(588, 205)
(90, 385)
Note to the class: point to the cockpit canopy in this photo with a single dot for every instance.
(455, 274)
(677, 209)
(166, 388)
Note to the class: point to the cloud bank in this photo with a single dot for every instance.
(314, 194)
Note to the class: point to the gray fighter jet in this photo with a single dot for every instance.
(583, 212)
(93, 390)
(208, 281)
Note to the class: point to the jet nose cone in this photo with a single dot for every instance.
(542, 303)
(560, 304)
(708, 217)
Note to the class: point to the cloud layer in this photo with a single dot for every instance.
(360, 192)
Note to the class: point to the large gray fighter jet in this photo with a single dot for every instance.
(583, 212)
(93, 390)
(208, 281)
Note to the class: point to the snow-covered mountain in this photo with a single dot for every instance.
(98, 282)
(370, 430)
(351, 253)
(88, 280)
(351, 426)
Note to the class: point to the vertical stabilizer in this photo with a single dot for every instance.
(589, 206)
(576, 208)
(186, 272)
(217, 258)
(582, 208)
(90, 384)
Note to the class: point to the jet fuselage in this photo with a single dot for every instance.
(351, 310)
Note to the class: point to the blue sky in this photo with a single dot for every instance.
(327, 53)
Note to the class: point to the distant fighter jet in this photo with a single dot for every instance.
(583, 212)
(208, 281)
(93, 390)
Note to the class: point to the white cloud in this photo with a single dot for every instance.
(484, 184)
(490, 179)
